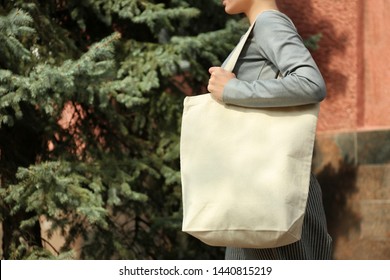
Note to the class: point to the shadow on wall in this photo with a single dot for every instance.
(332, 41)
(338, 186)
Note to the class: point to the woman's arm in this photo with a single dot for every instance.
(278, 41)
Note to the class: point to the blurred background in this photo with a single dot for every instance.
(91, 96)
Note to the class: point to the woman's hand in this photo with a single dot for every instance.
(218, 79)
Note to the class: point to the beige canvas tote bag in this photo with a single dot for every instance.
(245, 171)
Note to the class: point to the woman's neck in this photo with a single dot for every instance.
(258, 7)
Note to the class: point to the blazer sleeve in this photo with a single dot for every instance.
(279, 42)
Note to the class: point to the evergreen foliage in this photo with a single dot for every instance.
(91, 96)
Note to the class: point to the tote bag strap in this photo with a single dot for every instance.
(237, 50)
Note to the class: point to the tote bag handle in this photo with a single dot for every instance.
(237, 50)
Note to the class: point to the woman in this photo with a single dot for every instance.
(274, 48)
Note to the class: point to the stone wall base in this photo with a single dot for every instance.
(353, 169)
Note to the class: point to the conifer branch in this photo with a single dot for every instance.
(119, 63)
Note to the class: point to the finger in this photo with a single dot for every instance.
(209, 88)
(213, 69)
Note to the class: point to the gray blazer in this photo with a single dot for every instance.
(274, 46)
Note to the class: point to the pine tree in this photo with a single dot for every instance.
(90, 109)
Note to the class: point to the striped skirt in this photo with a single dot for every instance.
(315, 243)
